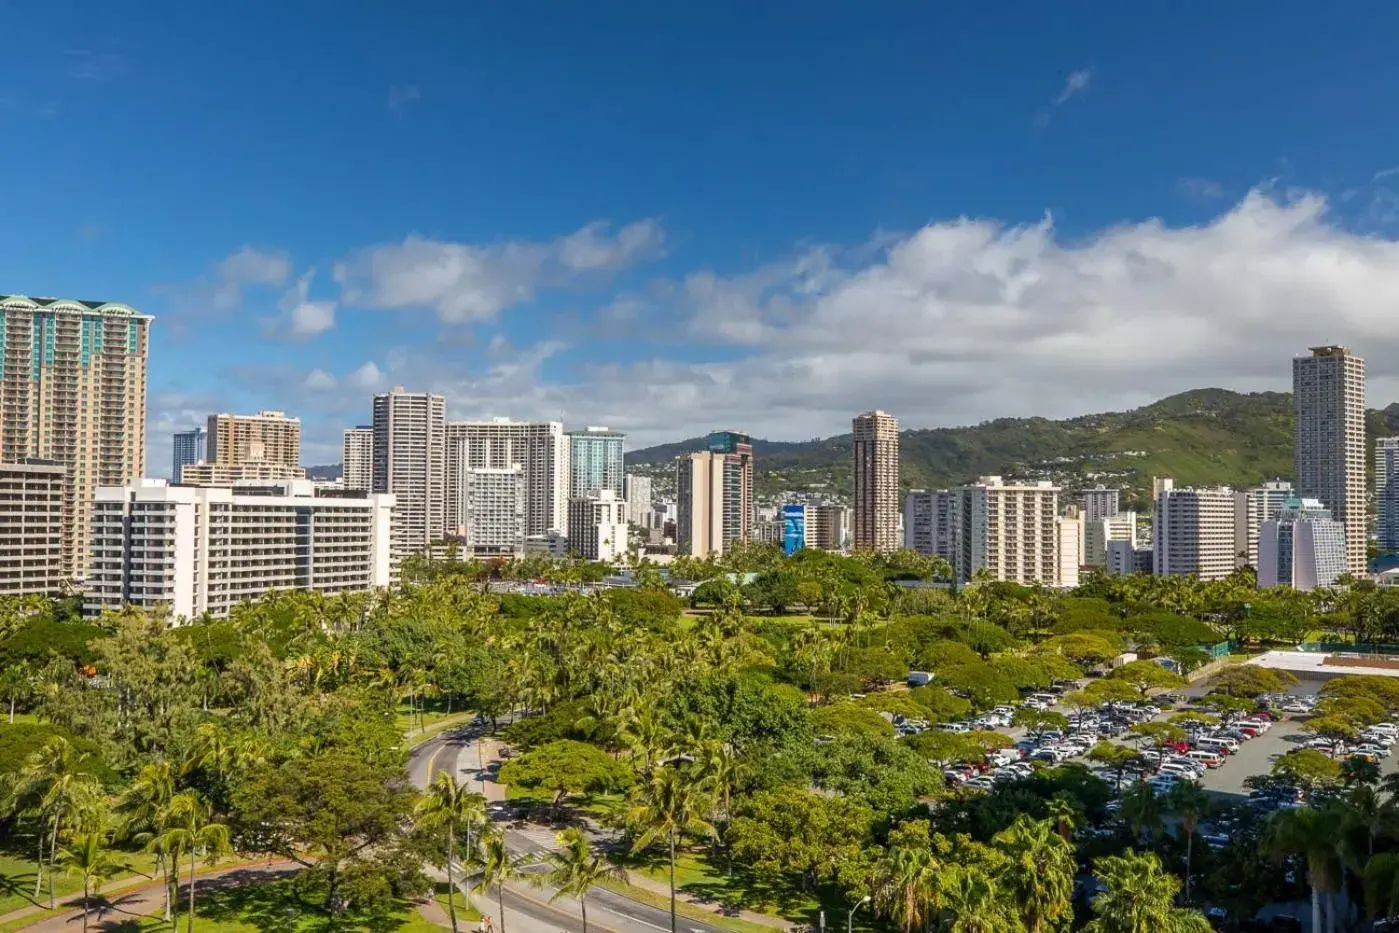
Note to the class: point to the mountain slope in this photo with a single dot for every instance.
(1204, 436)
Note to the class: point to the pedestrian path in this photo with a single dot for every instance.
(112, 909)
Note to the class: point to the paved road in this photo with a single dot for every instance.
(529, 908)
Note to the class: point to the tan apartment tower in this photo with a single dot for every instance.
(410, 461)
(357, 458)
(266, 437)
(73, 391)
(876, 447)
(1328, 401)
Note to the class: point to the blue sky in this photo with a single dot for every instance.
(763, 216)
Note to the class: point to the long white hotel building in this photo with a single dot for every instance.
(198, 549)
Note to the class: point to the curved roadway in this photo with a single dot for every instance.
(529, 908)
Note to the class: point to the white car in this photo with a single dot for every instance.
(1368, 748)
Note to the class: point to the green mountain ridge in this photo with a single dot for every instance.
(1201, 437)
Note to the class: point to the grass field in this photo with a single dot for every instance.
(465, 909)
(17, 879)
(275, 906)
(696, 875)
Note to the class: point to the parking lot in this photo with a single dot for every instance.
(1254, 756)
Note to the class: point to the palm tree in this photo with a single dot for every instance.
(1039, 872)
(1141, 809)
(1140, 898)
(451, 806)
(190, 828)
(142, 808)
(1309, 833)
(576, 869)
(498, 867)
(51, 784)
(1066, 813)
(1381, 880)
(1187, 801)
(974, 903)
(669, 806)
(87, 858)
(904, 883)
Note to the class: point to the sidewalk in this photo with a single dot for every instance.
(149, 898)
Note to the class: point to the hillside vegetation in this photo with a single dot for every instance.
(1204, 436)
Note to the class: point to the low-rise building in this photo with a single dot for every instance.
(1124, 559)
(203, 549)
(227, 474)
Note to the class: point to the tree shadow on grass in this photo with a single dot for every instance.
(21, 885)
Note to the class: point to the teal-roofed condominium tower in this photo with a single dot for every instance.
(73, 391)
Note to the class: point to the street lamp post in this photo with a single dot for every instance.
(850, 917)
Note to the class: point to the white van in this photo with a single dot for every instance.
(1207, 758)
(1047, 699)
(1222, 746)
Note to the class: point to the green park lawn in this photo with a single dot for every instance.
(274, 905)
(697, 875)
(432, 721)
(17, 879)
(465, 909)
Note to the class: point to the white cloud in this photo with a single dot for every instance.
(367, 376)
(467, 283)
(592, 249)
(960, 321)
(966, 320)
(247, 266)
(1075, 84)
(320, 380)
(304, 318)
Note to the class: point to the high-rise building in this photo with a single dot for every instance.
(266, 437)
(494, 512)
(702, 526)
(1007, 529)
(637, 491)
(189, 447)
(1253, 507)
(198, 549)
(832, 527)
(1120, 526)
(1100, 502)
(928, 522)
(357, 458)
(597, 525)
(31, 527)
(1328, 400)
(737, 450)
(1069, 544)
(594, 461)
(410, 464)
(74, 391)
(1387, 492)
(1193, 533)
(1301, 547)
(1160, 484)
(539, 448)
(875, 441)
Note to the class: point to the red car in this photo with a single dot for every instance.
(1263, 714)
(1180, 748)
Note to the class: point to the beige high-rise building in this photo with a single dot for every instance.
(1069, 545)
(410, 463)
(31, 527)
(832, 526)
(73, 391)
(876, 506)
(1328, 401)
(1009, 530)
(357, 458)
(1192, 533)
(266, 437)
(699, 493)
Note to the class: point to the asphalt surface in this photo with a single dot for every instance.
(455, 751)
